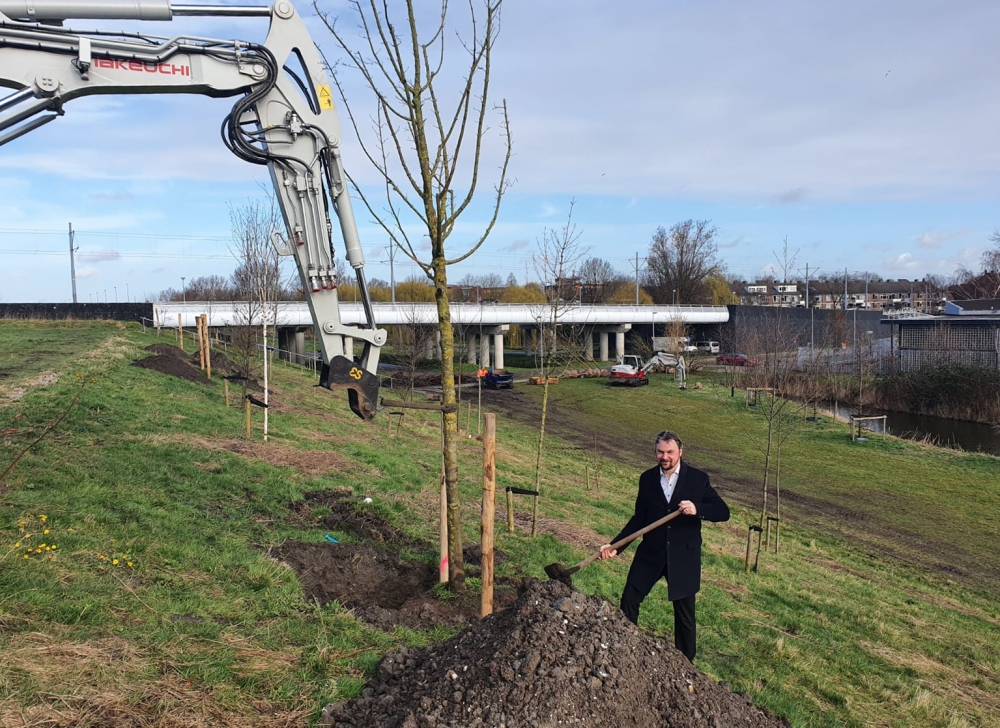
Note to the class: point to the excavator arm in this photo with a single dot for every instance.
(284, 118)
(669, 360)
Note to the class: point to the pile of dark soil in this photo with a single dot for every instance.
(173, 366)
(556, 657)
(174, 361)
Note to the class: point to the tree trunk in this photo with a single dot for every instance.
(456, 566)
(538, 456)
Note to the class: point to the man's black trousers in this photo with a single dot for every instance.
(685, 629)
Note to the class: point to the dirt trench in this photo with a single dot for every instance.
(372, 577)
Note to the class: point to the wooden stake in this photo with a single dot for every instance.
(489, 509)
(201, 342)
(180, 333)
(246, 405)
(510, 512)
(443, 561)
(225, 391)
(208, 347)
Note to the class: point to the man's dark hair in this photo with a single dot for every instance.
(667, 436)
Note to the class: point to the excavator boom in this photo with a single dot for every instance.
(283, 117)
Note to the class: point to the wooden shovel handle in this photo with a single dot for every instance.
(628, 539)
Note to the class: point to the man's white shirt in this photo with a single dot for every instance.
(669, 482)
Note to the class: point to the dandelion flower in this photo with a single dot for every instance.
(115, 562)
(17, 545)
(53, 547)
(44, 517)
(45, 532)
(26, 556)
(130, 563)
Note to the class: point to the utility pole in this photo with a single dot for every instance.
(812, 326)
(392, 270)
(72, 260)
(636, 266)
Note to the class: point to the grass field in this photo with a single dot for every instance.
(153, 597)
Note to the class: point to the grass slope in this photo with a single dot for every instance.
(154, 599)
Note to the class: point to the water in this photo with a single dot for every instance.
(969, 436)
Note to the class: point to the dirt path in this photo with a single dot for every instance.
(851, 521)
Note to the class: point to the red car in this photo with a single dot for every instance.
(736, 360)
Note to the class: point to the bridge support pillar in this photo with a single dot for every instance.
(619, 332)
(470, 347)
(588, 345)
(484, 351)
(498, 351)
(300, 347)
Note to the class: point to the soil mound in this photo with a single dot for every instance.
(168, 350)
(173, 366)
(556, 657)
(173, 360)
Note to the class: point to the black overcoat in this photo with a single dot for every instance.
(676, 544)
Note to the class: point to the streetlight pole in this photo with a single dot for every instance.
(116, 294)
(183, 290)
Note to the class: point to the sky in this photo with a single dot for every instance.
(862, 133)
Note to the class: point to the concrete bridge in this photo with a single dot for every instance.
(485, 322)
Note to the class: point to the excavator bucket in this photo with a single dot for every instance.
(362, 386)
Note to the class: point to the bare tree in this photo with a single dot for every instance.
(558, 254)
(770, 345)
(968, 284)
(257, 283)
(427, 150)
(599, 280)
(786, 262)
(679, 261)
(413, 341)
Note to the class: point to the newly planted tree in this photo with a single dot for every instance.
(558, 254)
(428, 139)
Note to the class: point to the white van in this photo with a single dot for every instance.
(709, 347)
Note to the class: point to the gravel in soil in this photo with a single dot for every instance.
(555, 657)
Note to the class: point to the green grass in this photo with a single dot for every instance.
(847, 626)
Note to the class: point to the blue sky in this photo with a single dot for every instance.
(864, 133)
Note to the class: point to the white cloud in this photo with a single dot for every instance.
(515, 246)
(99, 256)
(933, 241)
(902, 262)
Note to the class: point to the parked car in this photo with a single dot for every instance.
(736, 360)
(709, 347)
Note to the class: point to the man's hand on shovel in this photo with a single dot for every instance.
(686, 508)
(561, 573)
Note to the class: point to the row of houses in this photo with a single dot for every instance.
(921, 296)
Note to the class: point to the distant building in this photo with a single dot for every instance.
(967, 334)
(920, 296)
(768, 293)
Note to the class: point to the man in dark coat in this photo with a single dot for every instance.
(672, 551)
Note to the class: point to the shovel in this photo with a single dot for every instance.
(559, 572)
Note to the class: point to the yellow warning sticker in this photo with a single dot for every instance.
(325, 97)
